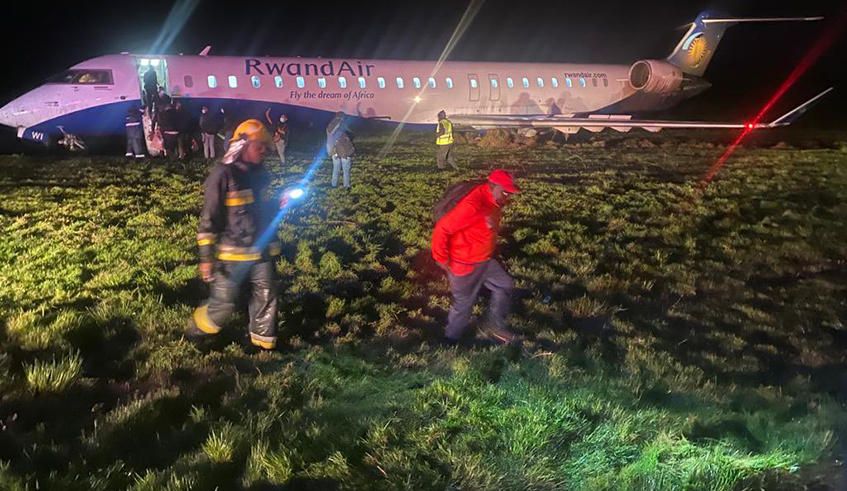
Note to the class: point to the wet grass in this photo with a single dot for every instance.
(674, 339)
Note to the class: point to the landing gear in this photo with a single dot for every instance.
(71, 142)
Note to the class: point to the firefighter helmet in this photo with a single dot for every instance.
(251, 130)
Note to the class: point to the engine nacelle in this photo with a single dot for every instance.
(655, 77)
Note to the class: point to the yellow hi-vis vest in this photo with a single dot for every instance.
(447, 137)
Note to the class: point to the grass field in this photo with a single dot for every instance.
(674, 340)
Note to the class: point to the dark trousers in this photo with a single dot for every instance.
(465, 289)
(170, 141)
(210, 317)
(135, 141)
(445, 156)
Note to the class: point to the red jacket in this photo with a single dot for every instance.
(467, 234)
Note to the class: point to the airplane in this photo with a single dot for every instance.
(92, 97)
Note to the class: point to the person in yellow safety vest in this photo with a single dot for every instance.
(444, 142)
(237, 209)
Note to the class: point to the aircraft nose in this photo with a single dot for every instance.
(7, 115)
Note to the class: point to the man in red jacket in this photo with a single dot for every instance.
(463, 243)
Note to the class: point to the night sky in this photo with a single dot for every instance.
(748, 66)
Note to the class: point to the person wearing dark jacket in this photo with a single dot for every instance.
(340, 147)
(183, 125)
(235, 215)
(280, 133)
(463, 244)
(210, 125)
(135, 145)
(167, 119)
(151, 87)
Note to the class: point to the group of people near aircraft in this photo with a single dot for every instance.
(238, 213)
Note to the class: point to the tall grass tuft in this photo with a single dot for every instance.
(53, 376)
(221, 444)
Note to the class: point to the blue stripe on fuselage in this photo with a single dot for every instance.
(109, 119)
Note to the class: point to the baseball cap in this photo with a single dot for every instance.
(504, 179)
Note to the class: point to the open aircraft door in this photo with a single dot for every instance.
(159, 66)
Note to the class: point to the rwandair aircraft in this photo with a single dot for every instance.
(92, 98)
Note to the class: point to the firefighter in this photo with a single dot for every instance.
(463, 244)
(236, 211)
(135, 133)
(444, 142)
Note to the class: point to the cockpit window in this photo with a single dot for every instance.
(83, 77)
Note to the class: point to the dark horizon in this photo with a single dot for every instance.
(749, 65)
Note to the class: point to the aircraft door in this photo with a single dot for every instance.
(159, 67)
(473, 85)
(494, 85)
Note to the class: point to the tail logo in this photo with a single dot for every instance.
(697, 48)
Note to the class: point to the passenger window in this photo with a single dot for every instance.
(605, 82)
(362, 83)
(278, 82)
(342, 82)
(554, 81)
(301, 82)
(256, 82)
(213, 82)
(582, 81)
(233, 81)
(473, 83)
(189, 82)
(510, 82)
(449, 82)
(540, 82)
(431, 82)
(568, 82)
(322, 82)
(381, 82)
(494, 83)
(417, 82)
(594, 82)
(526, 83)
(399, 82)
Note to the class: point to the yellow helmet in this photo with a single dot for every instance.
(251, 130)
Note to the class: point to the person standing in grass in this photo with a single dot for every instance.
(463, 243)
(235, 215)
(210, 125)
(280, 133)
(340, 147)
(135, 133)
(444, 142)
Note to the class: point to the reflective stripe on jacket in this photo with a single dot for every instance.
(445, 138)
(236, 211)
(467, 234)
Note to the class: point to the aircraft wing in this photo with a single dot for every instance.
(597, 122)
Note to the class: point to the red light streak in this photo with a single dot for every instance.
(819, 48)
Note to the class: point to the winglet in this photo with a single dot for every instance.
(205, 51)
(791, 116)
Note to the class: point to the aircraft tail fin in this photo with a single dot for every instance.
(694, 51)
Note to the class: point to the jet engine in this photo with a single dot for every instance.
(655, 77)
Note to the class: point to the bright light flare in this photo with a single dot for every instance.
(417, 99)
(296, 193)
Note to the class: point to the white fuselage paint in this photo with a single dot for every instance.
(564, 88)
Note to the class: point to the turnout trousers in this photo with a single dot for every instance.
(135, 145)
(445, 156)
(465, 289)
(260, 277)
